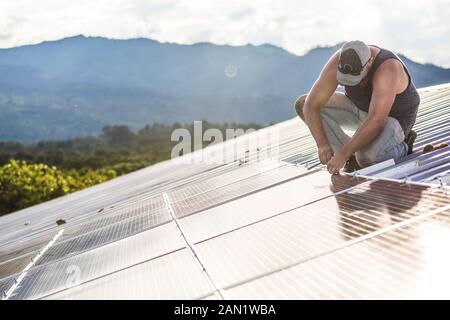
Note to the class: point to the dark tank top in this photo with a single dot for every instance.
(405, 105)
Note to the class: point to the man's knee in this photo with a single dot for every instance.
(364, 159)
(300, 104)
(369, 156)
(388, 144)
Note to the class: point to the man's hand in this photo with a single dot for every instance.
(325, 153)
(337, 162)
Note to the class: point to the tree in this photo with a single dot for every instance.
(117, 135)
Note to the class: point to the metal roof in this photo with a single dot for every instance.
(261, 221)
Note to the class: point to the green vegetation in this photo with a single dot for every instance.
(30, 174)
(23, 185)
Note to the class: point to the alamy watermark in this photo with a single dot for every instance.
(235, 144)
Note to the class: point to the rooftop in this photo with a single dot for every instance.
(262, 221)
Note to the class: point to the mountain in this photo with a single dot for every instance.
(75, 86)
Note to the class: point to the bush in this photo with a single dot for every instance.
(23, 185)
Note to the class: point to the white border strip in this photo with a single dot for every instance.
(405, 181)
(8, 293)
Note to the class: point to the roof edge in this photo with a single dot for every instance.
(436, 87)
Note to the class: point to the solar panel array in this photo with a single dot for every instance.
(261, 221)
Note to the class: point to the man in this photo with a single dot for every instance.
(379, 105)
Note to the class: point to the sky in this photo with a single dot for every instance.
(418, 29)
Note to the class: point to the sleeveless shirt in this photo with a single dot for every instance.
(406, 103)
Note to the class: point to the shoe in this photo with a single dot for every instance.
(351, 165)
(410, 139)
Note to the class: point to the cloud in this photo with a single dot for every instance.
(242, 13)
(8, 26)
(418, 29)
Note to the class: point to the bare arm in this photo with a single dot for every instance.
(319, 95)
(385, 85)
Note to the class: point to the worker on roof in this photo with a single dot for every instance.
(379, 105)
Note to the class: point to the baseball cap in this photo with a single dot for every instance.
(354, 57)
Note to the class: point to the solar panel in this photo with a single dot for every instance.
(410, 262)
(221, 179)
(5, 285)
(101, 236)
(215, 196)
(256, 207)
(49, 277)
(15, 265)
(23, 247)
(147, 213)
(313, 230)
(267, 222)
(161, 278)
